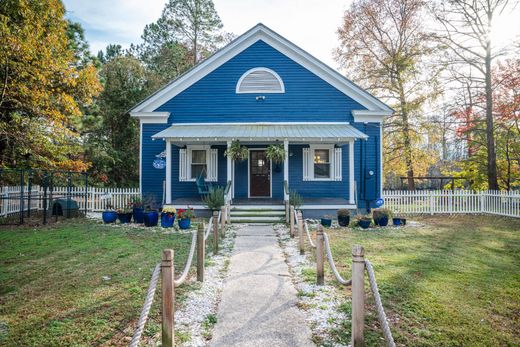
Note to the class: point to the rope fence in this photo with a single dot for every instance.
(166, 269)
(357, 282)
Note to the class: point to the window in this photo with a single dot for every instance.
(198, 163)
(260, 80)
(195, 160)
(322, 163)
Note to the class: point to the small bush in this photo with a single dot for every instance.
(214, 199)
(295, 199)
(343, 212)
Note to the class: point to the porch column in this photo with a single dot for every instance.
(286, 168)
(168, 195)
(229, 176)
(351, 181)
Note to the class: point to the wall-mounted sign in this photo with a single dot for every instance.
(379, 202)
(159, 163)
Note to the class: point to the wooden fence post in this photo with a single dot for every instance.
(291, 222)
(300, 233)
(168, 298)
(201, 248)
(228, 213)
(215, 232)
(287, 211)
(358, 295)
(319, 256)
(223, 221)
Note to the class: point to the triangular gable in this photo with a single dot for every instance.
(261, 32)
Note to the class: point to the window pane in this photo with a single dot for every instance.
(321, 170)
(321, 156)
(198, 157)
(197, 169)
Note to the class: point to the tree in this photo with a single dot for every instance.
(466, 31)
(111, 51)
(42, 87)
(111, 136)
(384, 48)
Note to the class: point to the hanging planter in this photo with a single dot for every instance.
(236, 151)
(275, 153)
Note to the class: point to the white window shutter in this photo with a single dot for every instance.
(306, 164)
(183, 165)
(337, 164)
(213, 165)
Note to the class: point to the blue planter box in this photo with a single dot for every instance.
(184, 223)
(326, 222)
(151, 218)
(365, 224)
(124, 217)
(167, 220)
(138, 215)
(109, 216)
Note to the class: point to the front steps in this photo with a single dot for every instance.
(258, 214)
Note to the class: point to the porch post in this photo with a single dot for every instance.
(286, 168)
(168, 172)
(229, 172)
(351, 198)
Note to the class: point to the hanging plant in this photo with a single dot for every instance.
(236, 151)
(275, 153)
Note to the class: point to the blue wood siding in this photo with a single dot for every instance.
(307, 97)
(367, 157)
(151, 178)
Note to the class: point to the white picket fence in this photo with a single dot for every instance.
(96, 198)
(432, 202)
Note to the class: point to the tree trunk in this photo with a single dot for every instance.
(406, 137)
(490, 132)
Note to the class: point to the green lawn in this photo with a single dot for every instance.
(453, 282)
(52, 290)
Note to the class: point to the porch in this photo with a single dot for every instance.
(313, 164)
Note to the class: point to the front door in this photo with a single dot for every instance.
(260, 174)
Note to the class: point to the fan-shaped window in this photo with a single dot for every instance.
(260, 80)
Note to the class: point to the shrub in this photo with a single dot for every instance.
(214, 199)
(343, 212)
(295, 199)
(382, 212)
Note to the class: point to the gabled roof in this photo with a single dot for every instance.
(261, 32)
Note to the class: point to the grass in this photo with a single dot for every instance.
(52, 290)
(453, 282)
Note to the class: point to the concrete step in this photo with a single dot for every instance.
(258, 207)
(256, 219)
(257, 213)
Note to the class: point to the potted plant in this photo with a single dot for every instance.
(343, 217)
(326, 221)
(364, 221)
(295, 199)
(168, 216)
(184, 217)
(214, 199)
(125, 214)
(109, 214)
(381, 216)
(236, 151)
(138, 209)
(150, 215)
(399, 221)
(276, 154)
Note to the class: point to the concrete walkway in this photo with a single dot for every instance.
(258, 306)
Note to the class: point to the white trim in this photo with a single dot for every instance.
(351, 180)
(264, 123)
(141, 158)
(366, 116)
(327, 207)
(168, 172)
(248, 72)
(330, 148)
(286, 168)
(189, 149)
(151, 117)
(249, 174)
(261, 32)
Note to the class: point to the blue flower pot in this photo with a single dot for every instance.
(184, 223)
(138, 215)
(167, 220)
(326, 222)
(124, 217)
(151, 218)
(343, 221)
(382, 221)
(396, 221)
(109, 216)
(365, 224)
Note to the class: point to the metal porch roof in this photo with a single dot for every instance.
(333, 132)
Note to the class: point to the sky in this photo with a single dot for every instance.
(310, 24)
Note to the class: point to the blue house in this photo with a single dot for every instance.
(261, 90)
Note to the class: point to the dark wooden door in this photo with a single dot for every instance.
(260, 174)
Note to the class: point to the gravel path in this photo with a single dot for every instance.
(258, 305)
